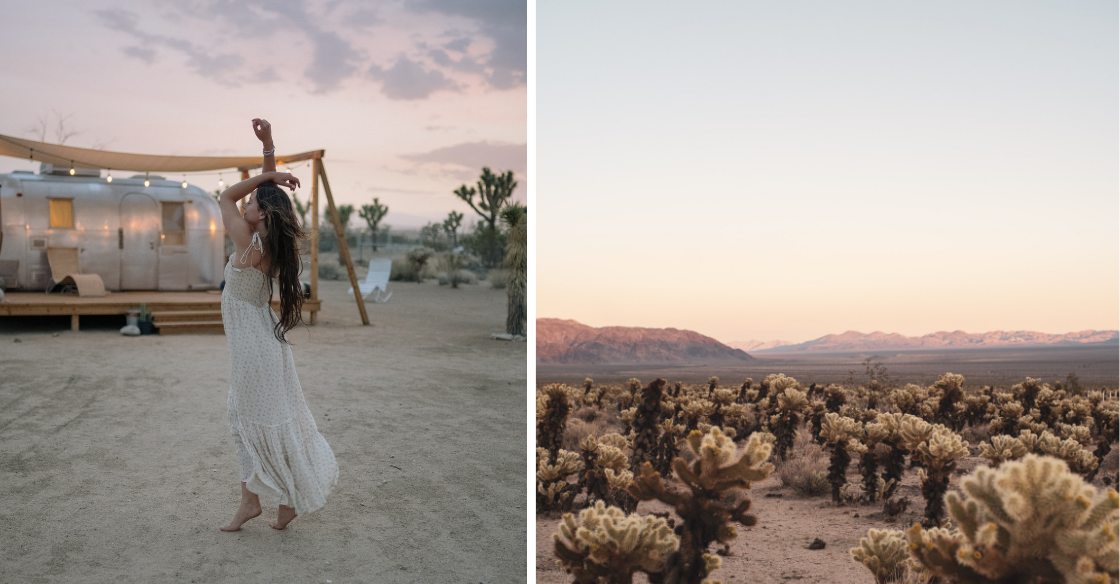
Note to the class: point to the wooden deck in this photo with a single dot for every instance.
(39, 304)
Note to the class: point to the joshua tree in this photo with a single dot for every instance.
(373, 214)
(517, 262)
(493, 190)
(718, 470)
(1027, 521)
(344, 212)
(451, 227)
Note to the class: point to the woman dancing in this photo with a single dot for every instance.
(280, 453)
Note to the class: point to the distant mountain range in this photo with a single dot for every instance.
(880, 341)
(750, 346)
(569, 342)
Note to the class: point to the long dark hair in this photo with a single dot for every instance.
(282, 243)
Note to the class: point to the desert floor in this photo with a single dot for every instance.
(776, 548)
(116, 463)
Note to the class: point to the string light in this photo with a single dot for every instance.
(146, 183)
(71, 168)
(184, 181)
(110, 179)
(221, 183)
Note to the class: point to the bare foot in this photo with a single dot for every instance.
(284, 516)
(244, 513)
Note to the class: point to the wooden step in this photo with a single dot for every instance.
(185, 316)
(197, 327)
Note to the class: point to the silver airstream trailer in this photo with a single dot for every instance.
(159, 237)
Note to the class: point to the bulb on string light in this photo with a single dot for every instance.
(146, 183)
(221, 183)
(110, 178)
(71, 168)
(184, 181)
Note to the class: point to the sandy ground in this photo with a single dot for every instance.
(116, 464)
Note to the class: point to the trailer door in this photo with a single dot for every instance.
(138, 240)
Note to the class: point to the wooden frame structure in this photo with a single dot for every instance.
(320, 171)
(59, 154)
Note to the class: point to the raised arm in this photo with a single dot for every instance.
(236, 226)
(264, 131)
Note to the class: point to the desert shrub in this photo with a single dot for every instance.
(805, 470)
(457, 277)
(577, 430)
(329, 271)
(402, 271)
(498, 279)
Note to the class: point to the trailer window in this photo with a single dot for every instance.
(174, 225)
(62, 213)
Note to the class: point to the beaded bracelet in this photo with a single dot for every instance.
(269, 152)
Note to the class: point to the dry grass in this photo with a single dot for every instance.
(578, 429)
(806, 469)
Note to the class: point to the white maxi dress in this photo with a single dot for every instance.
(281, 455)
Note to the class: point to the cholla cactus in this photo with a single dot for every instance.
(885, 553)
(1002, 449)
(791, 403)
(553, 408)
(554, 491)
(1030, 520)
(909, 399)
(606, 544)
(1006, 422)
(719, 468)
(841, 437)
(939, 455)
(873, 435)
(1027, 392)
(949, 392)
(835, 398)
(712, 383)
(978, 409)
(1069, 450)
(695, 409)
(896, 425)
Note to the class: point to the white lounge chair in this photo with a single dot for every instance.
(377, 279)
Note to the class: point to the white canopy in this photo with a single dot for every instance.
(62, 156)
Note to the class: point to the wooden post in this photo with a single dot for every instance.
(315, 235)
(74, 322)
(343, 249)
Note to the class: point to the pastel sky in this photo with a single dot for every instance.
(410, 99)
(785, 170)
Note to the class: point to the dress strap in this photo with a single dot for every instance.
(255, 244)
